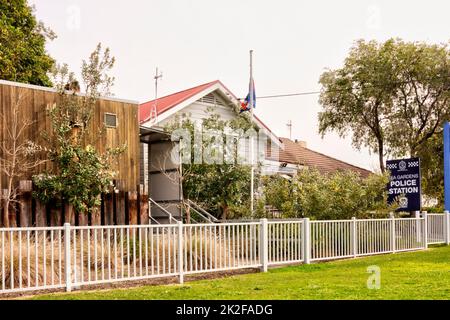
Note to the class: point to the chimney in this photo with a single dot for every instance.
(300, 143)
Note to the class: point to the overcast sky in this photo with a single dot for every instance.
(197, 41)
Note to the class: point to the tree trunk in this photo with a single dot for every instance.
(12, 212)
(380, 155)
(5, 208)
(6, 215)
(188, 214)
(225, 210)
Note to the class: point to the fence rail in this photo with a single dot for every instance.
(70, 257)
(285, 242)
(437, 225)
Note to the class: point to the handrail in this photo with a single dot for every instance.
(206, 213)
(192, 219)
(201, 215)
(196, 211)
(153, 219)
(164, 210)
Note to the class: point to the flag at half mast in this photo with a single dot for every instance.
(250, 100)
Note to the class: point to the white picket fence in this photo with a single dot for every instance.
(70, 257)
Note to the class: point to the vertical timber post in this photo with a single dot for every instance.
(306, 241)
(67, 262)
(132, 207)
(120, 203)
(40, 214)
(55, 215)
(354, 238)
(143, 205)
(264, 245)
(25, 201)
(180, 251)
(69, 213)
(109, 208)
(96, 218)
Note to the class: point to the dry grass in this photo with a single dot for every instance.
(22, 265)
(101, 256)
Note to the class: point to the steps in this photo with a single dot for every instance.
(172, 212)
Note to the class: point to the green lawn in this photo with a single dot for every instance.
(414, 275)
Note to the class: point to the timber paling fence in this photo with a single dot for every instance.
(118, 207)
(74, 256)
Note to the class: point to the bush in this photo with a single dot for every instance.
(340, 195)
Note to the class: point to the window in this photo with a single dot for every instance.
(111, 120)
(269, 148)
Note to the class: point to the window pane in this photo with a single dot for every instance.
(110, 120)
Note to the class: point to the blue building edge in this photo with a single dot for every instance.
(447, 166)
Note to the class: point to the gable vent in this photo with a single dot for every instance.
(212, 99)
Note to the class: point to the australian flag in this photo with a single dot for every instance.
(250, 100)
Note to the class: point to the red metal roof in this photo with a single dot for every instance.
(170, 101)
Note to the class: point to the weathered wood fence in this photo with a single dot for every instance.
(117, 208)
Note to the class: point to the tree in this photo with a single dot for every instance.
(17, 154)
(431, 156)
(22, 51)
(81, 173)
(223, 188)
(392, 96)
(422, 96)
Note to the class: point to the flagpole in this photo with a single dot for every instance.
(251, 140)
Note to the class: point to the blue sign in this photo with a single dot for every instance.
(404, 183)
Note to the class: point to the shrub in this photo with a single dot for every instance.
(340, 195)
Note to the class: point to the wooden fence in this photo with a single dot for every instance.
(117, 208)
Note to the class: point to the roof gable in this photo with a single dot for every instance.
(173, 103)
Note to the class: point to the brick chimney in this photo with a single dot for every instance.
(301, 143)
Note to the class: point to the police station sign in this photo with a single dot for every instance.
(404, 183)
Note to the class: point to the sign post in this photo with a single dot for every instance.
(404, 183)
